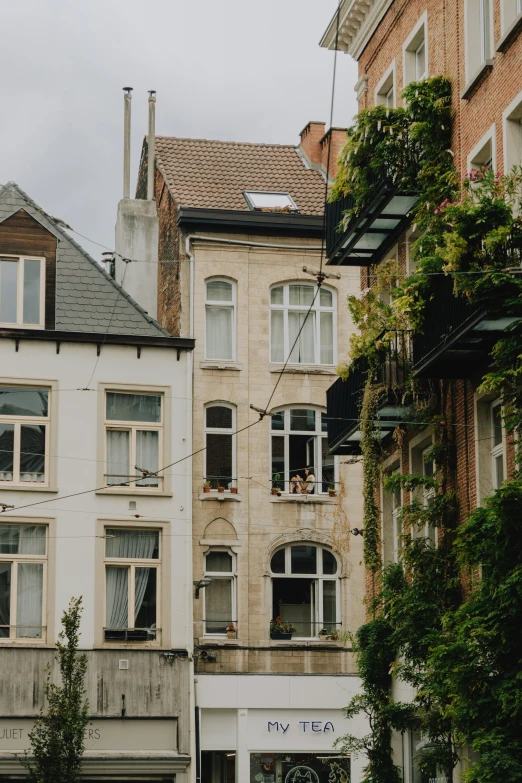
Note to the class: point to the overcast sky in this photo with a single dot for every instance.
(232, 70)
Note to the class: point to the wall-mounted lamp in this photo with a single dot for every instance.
(201, 584)
(357, 531)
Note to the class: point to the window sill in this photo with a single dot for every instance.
(25, 643)
(306, 643)
(124, 491)
(317, 499)
(26, 488)
(216, 365)
(510, 34)
(220, 496)
(130, 646)
(219, 641)
(475, 80)
(304, 369)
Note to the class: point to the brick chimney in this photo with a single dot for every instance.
(334, 139)
(310, 145)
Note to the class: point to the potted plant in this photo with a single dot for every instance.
(281, 630)
(333, 636)
(220, 488)
(233, 490)
(323, 634)
(276, 480)
(332, 491)
(206, 486)
(231, 630)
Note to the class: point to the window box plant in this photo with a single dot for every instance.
(206, 486)
(233, 490)
(281, 630)
(332, 492)
(231, 630)
(221, 489)
(323, 634)
(276, 482)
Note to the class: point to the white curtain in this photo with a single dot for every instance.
(277, 336)
(219, 332)
(133, 544)
(29, 600)
(218, 605)
(22, 539)
(118, 456)
(147, 450)
(117, 597)
(304, 351)
(327, 338)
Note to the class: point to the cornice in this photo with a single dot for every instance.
(358, 21)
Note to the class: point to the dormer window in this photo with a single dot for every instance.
(22, 291)
(270, 201)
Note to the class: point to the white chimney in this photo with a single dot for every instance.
(137, 225)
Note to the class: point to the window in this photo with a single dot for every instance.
(415, 56)
(497, 445)
(385, 90)
(22, 291)
(24, 435)
(289, 305)
(298, 767)
(220, 594)
(220, 319)
(423, 464)
(132, 578)
(483, 154)
(23, 561)
(512, 120)
(220, 451)
(134, 440)
(268, 201)
(391, 518)
(299, 442)
(485, 29)
(479, 36)
(305, 588)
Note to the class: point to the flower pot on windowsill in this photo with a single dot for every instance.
(231, 635)
(323, 637)
(233, 490)
(221, 490)
(332, 493)
(280, 637)
(276, 491)
(206, 489)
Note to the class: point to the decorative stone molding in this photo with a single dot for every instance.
(357, 23)
(361, 86)
(300, 535)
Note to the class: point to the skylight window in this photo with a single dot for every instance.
(270, 201)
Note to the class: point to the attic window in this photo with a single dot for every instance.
(270, 201)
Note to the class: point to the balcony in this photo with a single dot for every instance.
(345, 397)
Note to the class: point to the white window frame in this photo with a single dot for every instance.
(229, 305)
(385, 87)
(500, 449)
(396, 509)
(510, 10)
(430, 533)
(221, 431)
(15, 560)
(319, 577)
(318, 434)
(132, 427)
(479, 44)
(230, 576)
(18, 421)
(132, 563)
(484, 153)
(317, 309)
(512, 130)
(412, 236)
(20, 291)
(417, 38)
(250, 195)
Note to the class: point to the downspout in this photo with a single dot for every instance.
(190, 257)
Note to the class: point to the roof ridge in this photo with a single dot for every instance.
(231, 143)
(89, 258)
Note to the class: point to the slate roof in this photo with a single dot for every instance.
(87, 298)
(214, 174)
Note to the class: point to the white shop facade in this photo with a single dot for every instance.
(276, 728)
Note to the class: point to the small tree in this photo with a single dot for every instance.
(57, 739)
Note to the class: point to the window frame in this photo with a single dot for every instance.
(220, 431)
(21, 259)
(230, 576)
(498, 450)
(419, 446)
(133, 427)
(317, 309)
(478, 27)
(247, 194)
(487, 144)
(17, 559)
(18, 421)
(417, 38)
(512, 132)
(396, 519)
(319, 577)
(387, 84)
(230, 305)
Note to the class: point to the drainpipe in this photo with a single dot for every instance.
(151, 142)
(127, 98)
(190, 256)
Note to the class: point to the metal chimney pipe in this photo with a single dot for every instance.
(151, 144)
(127, 98)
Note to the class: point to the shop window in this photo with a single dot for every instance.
(415, 52)
(220, 317)
(479, 35)
(385, 90)
(132, 585)
(300, 767)
(22, 286)
(23, 574)
(513, 134)
(220, 593)
(302, 335)
(220, 442)
(305, 589)
(24, 435)
(300, 460)
(218, 766)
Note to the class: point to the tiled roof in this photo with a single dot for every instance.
(214, 174)
(87, 298)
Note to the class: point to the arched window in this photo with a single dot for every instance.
(289, 305)
(220, 443)
(299, 441)
(220, 594)
(220, 318)
(305, 588)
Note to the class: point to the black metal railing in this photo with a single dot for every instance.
(309, 629)
(218, 625)
(130, 634)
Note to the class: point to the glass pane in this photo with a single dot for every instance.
(8, 291)
(278, 462)
(499, 471)
(324, 422)
(32, 291)
(219, 291)
(147, 456)
(299, 767)
(135, 544)
(329, 562)
(269, 200)
(219, 332)
(117, 598)
(219, 417)
(219, 561)
(420, 62)
(29, 601)
(133, 407)
(145, 591)
(326, 298)
(32, 453)
(303, 559)
(5, 599)
(277, 336)
(277, 564)
(328, 467)
(429, 467)
(118, 450)
(301, 294)
(326, 338)
(218, 605)
(497, 425)
(277, 295)
(219, 460)
(278, 420)
(301, 337)
(302, 420)
(23, 402)
(329, 604)
(6, 452)
(22, 539)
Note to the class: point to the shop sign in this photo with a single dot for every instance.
(316, 726)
